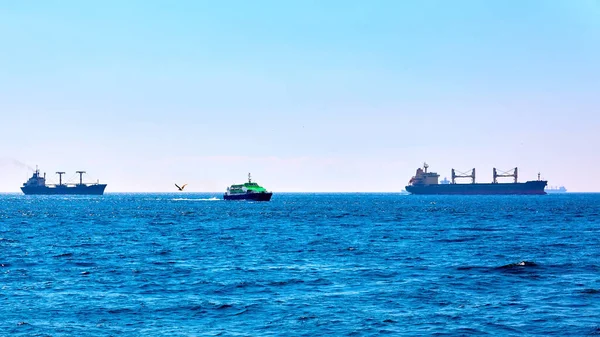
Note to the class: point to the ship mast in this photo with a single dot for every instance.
(80, 177)
(249, 178)
(60, 178)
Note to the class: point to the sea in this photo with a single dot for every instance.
(359, 264)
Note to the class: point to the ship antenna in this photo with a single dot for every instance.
(249, 178)
(425, 166)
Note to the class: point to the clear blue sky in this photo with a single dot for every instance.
(307, 95)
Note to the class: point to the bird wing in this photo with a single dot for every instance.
(178, 187)
(183, 186)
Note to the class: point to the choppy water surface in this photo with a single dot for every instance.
(326, 264)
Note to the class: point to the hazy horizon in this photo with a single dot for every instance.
(331, 96)
(204, 185)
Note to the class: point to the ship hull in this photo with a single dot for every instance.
(97, 189)
(249, 196)
(527, 188)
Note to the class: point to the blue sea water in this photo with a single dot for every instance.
(301, 265)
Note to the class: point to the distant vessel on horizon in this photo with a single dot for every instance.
(554, 189)
(427, 183)
(247, 191)
(36, 185)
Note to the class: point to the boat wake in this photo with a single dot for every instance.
(200, 199)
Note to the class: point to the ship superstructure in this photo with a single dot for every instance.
(425, 182)
(36, 185)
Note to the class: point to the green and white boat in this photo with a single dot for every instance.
(247, 191)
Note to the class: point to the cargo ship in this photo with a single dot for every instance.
(247, 191)
(36, 185)
(427, 183)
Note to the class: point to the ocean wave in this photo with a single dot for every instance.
(293, 268)
(519, 265)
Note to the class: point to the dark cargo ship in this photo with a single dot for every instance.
(248, 191)
(427, 183)
(36, 185)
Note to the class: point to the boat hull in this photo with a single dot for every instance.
(249, 196)
(526, 188)
(97, 189)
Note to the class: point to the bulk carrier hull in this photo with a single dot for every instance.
(36, 185)
(526, 188)
(427, 183)
(97, 189)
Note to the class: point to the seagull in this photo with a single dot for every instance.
(180, 188)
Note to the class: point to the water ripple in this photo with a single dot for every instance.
(301, 265)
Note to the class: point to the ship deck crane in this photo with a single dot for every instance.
(463, 175)
(506, 174)
(60, 178)
(80, 176)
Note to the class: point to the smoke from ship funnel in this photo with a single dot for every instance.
(22, 165)
(11, 161)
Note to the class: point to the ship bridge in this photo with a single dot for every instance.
(422, 177)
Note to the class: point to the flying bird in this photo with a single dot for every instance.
(180, 188)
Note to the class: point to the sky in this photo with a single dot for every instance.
(307, 95)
